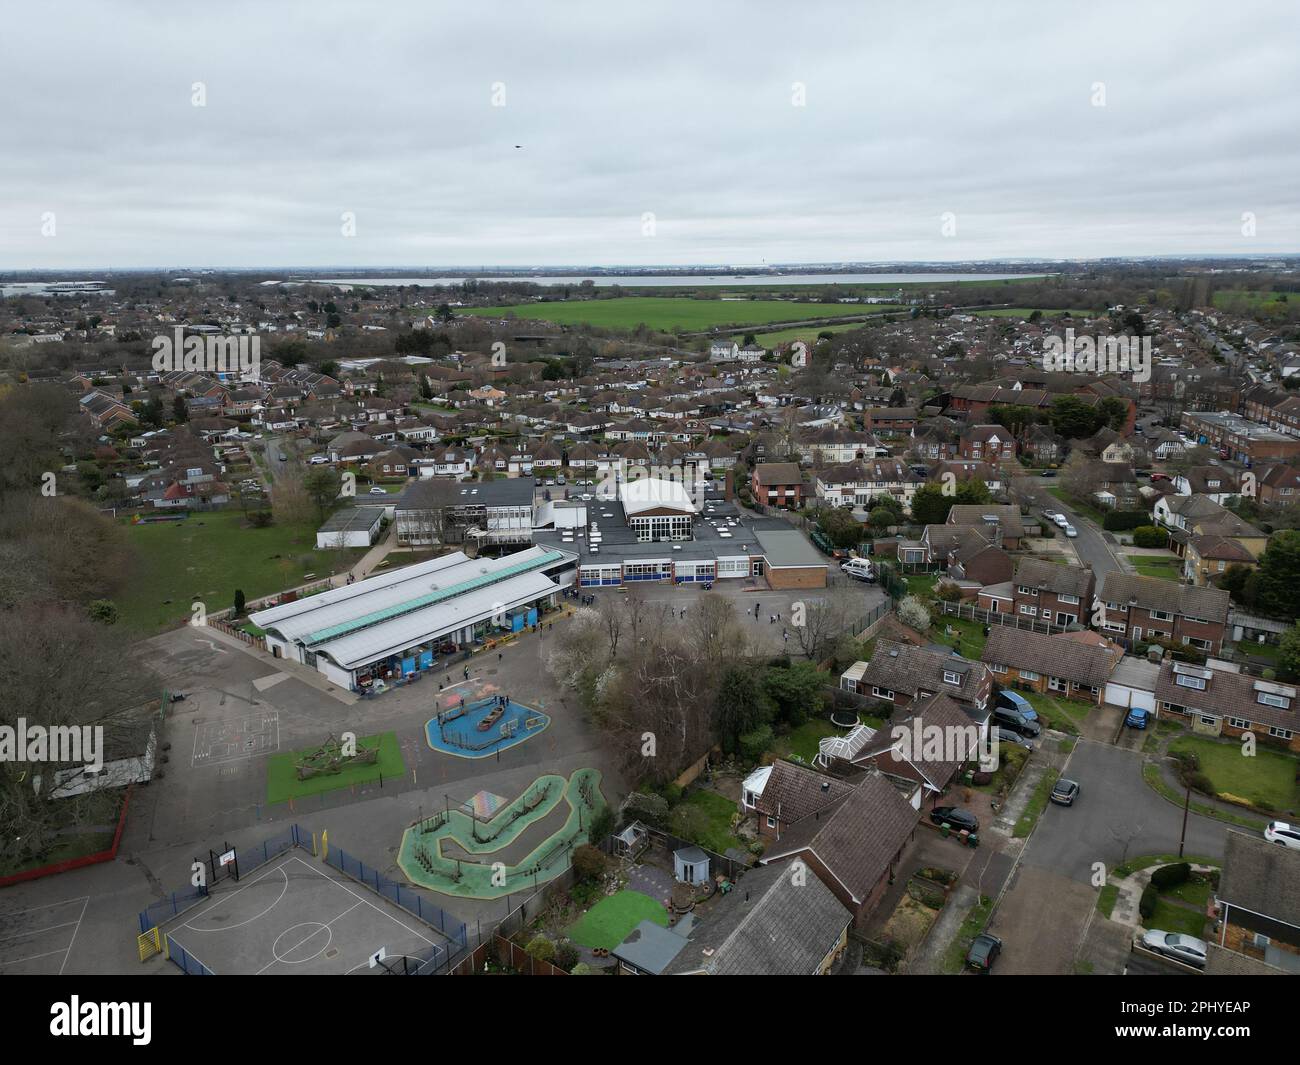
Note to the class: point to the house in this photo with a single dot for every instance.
(1258, 901)
(857, 484)
(901, 674)
(1207, 557)
(1058, 595)
(987, 443)
(1220, 702)
(984, 564)
(1213, 482)
(1138, 609)
(1279, 485)
(723, 350)
(1002, 525)
(776, 921)
(778, 484)
(350, 527)
(1059, 664)
(782, 794)
(856, 848)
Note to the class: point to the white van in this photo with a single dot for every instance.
(859, 568)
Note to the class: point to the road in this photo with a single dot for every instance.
(1090, 544)
(1044, 914)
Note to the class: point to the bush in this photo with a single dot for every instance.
(588, 862)
(540, 948)
(602, 824)
(585, 892)
(1149, 536)
(648, 808)
(1169, 876)
(753, 745)
(566, 956)
(1123, 520)
(948, 591)
(914, 614)
(260, 519)
(1147, 904)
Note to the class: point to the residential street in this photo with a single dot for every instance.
(1090, 544)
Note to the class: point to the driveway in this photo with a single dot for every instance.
(1044, 914)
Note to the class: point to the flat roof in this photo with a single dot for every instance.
(788, 547)
(352, 519)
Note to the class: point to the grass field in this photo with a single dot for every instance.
(1167, 569)
(967, 637)
(1267, 780)
(608, 922)
(807, 333)
(674, 313)
(1025, 312)
(208, 556)
(1065, 715)
(714, 830)
(282, 783)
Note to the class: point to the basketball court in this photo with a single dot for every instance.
(298, 916)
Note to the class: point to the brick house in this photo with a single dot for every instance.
(1140, 608)
(988, 443)
(1059, 595)
(1003, 525)
(1258, 904)
(778, 484)
(901, 674)
(1057, 664)
(1222, 703)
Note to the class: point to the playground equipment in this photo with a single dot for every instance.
(329, 758)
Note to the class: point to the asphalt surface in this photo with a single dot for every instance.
(1090, 544)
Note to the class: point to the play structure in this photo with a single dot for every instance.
(457, 852)
(483, 727)
(329, 758)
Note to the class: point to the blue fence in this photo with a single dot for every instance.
(433, 959)
(167, 908)
(190, 965)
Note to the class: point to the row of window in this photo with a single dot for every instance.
(1234, 722)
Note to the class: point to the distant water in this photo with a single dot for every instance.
(674, 281)
(54, 288)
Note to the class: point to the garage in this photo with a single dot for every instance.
(1133, 684)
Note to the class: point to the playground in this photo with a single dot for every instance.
(296, 917)
(491, 847)
(484, 727)
(297, 774)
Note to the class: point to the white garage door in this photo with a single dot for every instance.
(1123, 695)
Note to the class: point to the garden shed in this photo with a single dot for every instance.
(691, 865)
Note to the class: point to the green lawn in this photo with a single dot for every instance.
(921, 584)
(282, 781)
(1025, 312)
(1170, 917)
(608, 922)
(1065, 715)
(1168, 569)
(1153, 778)
(1267, 780)
(207, 557)
(714, 832)
(1037, 804)
(968, 637)
(79, 845)
(1106, 899)
(675, 313)
(1086, 509)
(807, 333)
(802, 741)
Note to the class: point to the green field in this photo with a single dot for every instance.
(282, 783)
(1266, 780)
(675, 313)
(1025, 312)
(207, 557)
(1167, 569)
(608, 922)
(807, 333)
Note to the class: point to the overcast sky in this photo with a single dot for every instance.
(649, 132)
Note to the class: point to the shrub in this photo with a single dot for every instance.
(1149, 536)
(540, 948)
(602, 824)
(588, 862)
(1123, 520)
(648, 808)
(585, 892)
(1147, 904)
(1168, 876)
(914, 614)
(566, 956)
(948, 591)
(753, 745)
(583, 969)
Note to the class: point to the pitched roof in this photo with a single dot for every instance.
(903, 668)
(1261, 877)
(1047, 576)
(1154, 593)
(1051, 655)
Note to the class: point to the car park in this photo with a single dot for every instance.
(1187, 949)
(983, 952)
(956, 817)
(1064, 792)
(1282, 833)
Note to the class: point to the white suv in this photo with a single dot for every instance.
(1281, 832)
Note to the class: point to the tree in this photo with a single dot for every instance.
(742, 705)
(1073, 418)
(1288, 659)
(239, 602)
(930, 506)
(914, 614)
(1277, 581)
(322, 487)
(795, 690)
(180, 413)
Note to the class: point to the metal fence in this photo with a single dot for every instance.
(170, 906)
(190, 965)
(437, 957)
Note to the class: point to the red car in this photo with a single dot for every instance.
(1161, 477)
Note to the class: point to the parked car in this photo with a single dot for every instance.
(1005, 735)
(1061, 520)
(1048, 473)
(1016, 701)
(1187, 949)
(858, 568)
(377, 491)
(984, 950)
(1064, 792)
(318, 460)
(1016, 721)
(955, 816)
(1137, 717)
(1283, 833)
(1071, 531)
(1160, 477)
(284, 457)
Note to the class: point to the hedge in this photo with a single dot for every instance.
(1123, 520)
(1168, 876)
(1149, 536)
(1147, 903)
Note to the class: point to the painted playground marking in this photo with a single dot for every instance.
(24, 942)
(299, 942)
(270, 681)
(236, 738)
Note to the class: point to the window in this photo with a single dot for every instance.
(1269, 699)
(949, 677)
(1027, 591)
(1161, 615)
(997, 667)
(1047, 615)
(771, 822)
(751, 800)
(1070, 599)
(882, 693)
(1280, 733)
(1114, 626)
(1030, 611)
(1028, 674)
(1239, 722)
(1191, 682)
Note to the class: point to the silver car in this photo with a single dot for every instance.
(1187, 949)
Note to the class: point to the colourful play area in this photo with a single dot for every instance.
(462, 852)
(484, 727)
